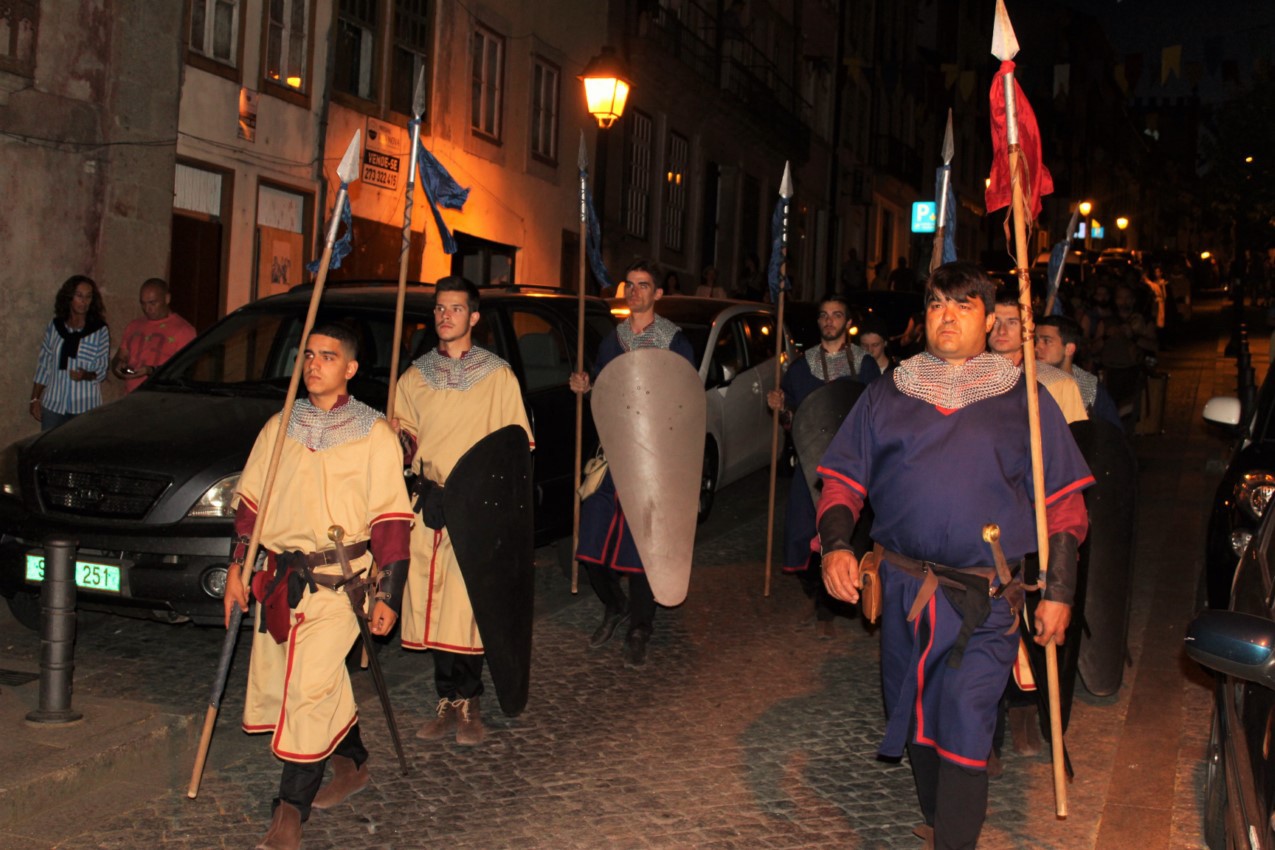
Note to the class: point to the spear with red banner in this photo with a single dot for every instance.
(1019, 179)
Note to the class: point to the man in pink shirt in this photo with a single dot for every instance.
(152, 339)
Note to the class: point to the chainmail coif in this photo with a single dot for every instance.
(457, 373)
(935, 381)
(1088, 384)
(658, 334)
(319, 430)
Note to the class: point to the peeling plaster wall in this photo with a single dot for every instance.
(81, 195)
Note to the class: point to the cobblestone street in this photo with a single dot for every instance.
(744, 730)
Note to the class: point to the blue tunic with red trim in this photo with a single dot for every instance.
(936, 475)
(604, 534)
(800, 381)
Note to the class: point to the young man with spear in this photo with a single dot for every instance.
(942, 448)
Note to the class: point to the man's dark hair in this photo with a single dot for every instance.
(1068, 329)
(837, 299)
(1006, 296)
(66, 292)
(343, 333)
(155, 283)
(642, 264)
(961, 282)
(456, 283)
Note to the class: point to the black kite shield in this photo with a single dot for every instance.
(1106, 558)
(816, 422)
(651, 416)
(488, 507)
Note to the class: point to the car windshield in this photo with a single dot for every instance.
(252, 351)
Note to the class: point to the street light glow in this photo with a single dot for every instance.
(606, 87)
(1085, 207)
(1122, 222)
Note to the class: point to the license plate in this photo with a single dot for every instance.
(88, 574)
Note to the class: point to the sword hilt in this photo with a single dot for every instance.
(992, 536)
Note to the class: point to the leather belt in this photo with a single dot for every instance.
(329, 556)
(933, 575)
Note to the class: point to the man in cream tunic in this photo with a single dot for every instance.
(448, 400)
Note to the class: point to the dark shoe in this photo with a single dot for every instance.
(635, 648)
(346, 781)
(610, 622)
(1024, 730)
(443, 724)
(285, 829)
(470, 731)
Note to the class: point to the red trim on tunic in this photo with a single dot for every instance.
(921, 736)
(1068, 516)
(283, 710)
(391, 538)
(832, 473)
(946, 411)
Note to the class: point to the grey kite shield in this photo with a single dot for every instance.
(649, 409)
(488, 508)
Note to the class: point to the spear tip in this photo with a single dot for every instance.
(420, 95)
(348, 170)
(949, 145)
(1004, 42)
(785, 185)
(582, 160)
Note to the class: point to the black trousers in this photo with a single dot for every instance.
(811, 579)
(640, 601)
(456, 675)
(953, 799)
(300, 782)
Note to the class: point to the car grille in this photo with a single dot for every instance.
(99, 494)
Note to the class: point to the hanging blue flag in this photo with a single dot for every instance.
(949, 214)
(341, 247)
(777, 280)
(1056, 259)
(593, 242)
(439, 188)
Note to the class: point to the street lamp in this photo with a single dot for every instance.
(1085, 207)
(606, 87)
(1121, 224)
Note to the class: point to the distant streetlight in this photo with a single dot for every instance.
(606, 87)
(1204, 255)
(1249, 160)
(1085, 208)
(1122, 223)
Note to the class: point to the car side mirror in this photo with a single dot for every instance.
(1234, 644)
(728, 375)
(1223, 410)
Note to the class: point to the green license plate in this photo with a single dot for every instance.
(89, 575)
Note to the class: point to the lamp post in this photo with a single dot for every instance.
(606, 91)
(1122, 224)
(1085, 208)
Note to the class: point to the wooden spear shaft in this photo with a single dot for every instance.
(580, 283)
(1038, 470)
(774, 439)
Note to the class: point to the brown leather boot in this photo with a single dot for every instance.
(442, 725)
(285, 829)
(470, 731)
(925, 832)
(1024, 730)
(346, 780)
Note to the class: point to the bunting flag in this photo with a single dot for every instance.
(1170, 63)
(1036, 180)
(341, 247)
(949, 214)
(593, 240)
(440, 189)
(777, 279)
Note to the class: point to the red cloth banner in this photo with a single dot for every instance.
(1037, 181)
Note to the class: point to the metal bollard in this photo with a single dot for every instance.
(57, 635)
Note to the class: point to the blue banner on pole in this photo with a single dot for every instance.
(774, 276)
(949, 215)
(440, 189)
(593, 241)
(341, 247)
(1056, 259)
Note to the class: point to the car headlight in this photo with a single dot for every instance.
(1240, 538)
(9, 482)
(1255, 492)
(215, 502)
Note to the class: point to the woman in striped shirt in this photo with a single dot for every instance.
(73, 356)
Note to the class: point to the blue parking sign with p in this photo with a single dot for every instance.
(924, 216)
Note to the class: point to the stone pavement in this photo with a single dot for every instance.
(742, 731)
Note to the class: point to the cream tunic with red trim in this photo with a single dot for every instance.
(448, 407)
(300, 690)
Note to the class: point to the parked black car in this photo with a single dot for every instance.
(1245, 490)
(1239, 645)
(144, 483)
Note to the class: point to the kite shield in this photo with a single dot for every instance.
(651, 416)
(816, 422)
(488, 505)
(1106, 558)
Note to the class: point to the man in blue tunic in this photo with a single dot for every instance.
(606, 548)
(942, 448)
(835, 358)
